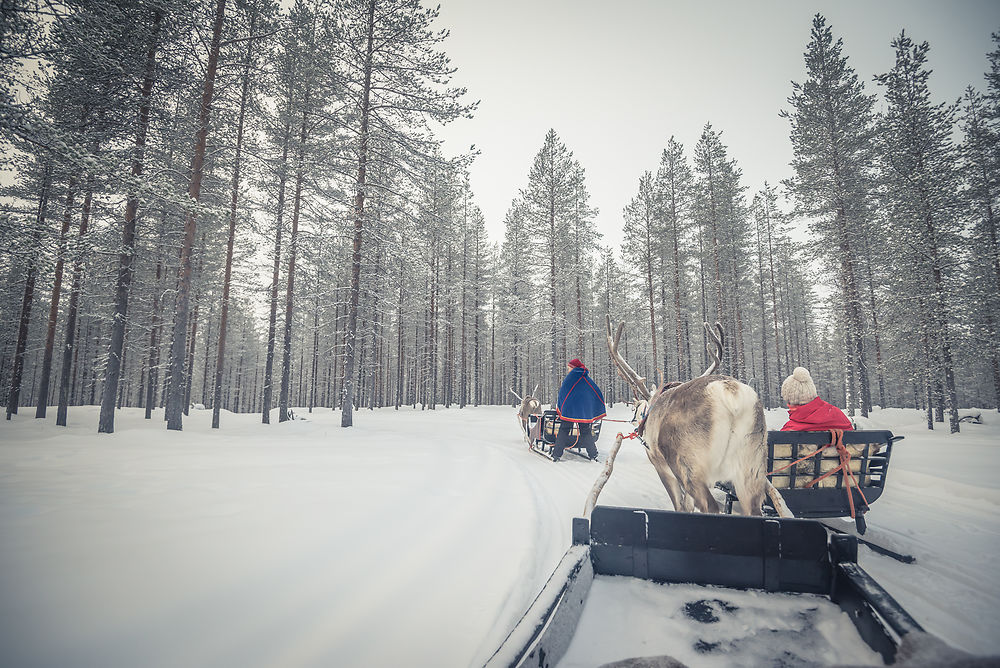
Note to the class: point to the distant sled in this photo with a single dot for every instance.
(541, 429)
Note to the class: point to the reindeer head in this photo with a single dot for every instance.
(529, 404)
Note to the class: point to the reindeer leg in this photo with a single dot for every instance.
(671, 485)
(750, 492)
(703, 499)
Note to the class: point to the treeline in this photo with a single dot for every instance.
(893, 299)
(227, 204)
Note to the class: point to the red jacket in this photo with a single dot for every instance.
(817, 415)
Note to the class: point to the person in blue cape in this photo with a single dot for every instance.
(581, 402)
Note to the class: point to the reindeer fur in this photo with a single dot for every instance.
(727, 415)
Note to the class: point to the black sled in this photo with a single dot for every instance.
(542, 429)
(769, 554)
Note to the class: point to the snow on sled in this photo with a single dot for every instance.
(542, 428)
(814, 575)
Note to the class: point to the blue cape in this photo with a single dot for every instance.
(580, 400)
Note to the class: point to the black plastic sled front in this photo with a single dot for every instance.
(732, 551)
(770, 554)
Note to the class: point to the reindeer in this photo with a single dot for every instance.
(529, 406)
(709, 429)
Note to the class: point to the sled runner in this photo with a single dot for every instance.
(542, 429)
(769, 554)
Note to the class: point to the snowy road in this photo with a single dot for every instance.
(414, 538)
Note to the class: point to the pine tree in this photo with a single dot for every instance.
(391, 103)
(548, 201)
(832, 138)
(642, 231)
(920, 170)
(674, 184)
(981, 171)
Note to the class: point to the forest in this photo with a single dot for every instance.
(243, 205)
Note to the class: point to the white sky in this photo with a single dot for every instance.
(617, 79)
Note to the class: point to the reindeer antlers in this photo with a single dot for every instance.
(637, 382)
(519, 397)
(714, 347)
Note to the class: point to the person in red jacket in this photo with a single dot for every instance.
(806, 411)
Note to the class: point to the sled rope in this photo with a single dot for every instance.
(845, 465)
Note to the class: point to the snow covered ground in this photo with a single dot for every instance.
(415, 538)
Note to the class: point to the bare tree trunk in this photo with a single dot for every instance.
(555, 375)
(74, 300)
(175, 394)
(112, 374)
(477, 378)
(350, 342)
(192, 340)
(286, 355)
(774, 300)
(704, 297)
(50, 336)
(463, 387)
(279, 226)
(154, 345)
(315, 346)
(677, 284)
(399, 332)
(234, 198)
(434, 339)
(14, 395)
(650, 294)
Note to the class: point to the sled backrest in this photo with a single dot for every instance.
(826, 497)
(550, 427)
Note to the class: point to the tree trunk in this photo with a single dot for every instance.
(286, 354)
(555, 375)
(765, 372)
(651, 295)
(267, 389)
(189, 360)
(154, 345)
(175, 396)
(234, 198)
(74, 300)
(347, 416)
(463, 386)
(14, 395)
(50, 336)
(112, 374)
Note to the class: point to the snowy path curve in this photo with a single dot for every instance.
(416, 537)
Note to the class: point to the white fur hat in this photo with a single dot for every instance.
(799, 388)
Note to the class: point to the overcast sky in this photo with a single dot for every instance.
(617, 79)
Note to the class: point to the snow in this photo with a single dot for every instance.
(713, 627)
(415, 537)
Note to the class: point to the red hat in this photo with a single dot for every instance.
(577, 364)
